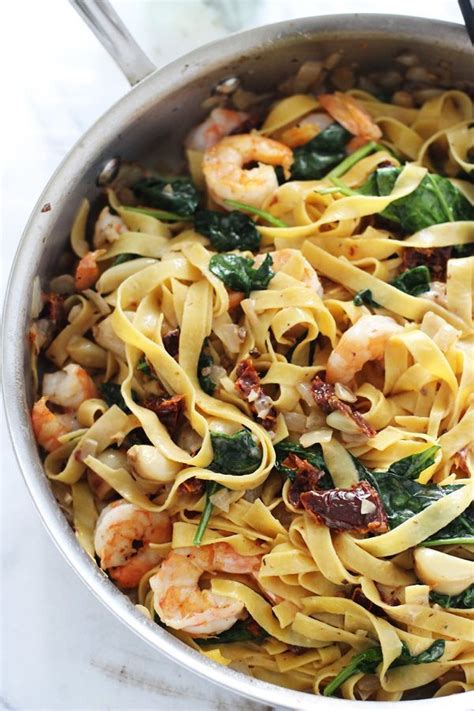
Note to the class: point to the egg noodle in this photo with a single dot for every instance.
(323, 591)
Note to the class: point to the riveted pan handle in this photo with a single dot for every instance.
(109, 29)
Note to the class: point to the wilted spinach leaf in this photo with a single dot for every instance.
(228, 230)
(313, 454)
(435, 200)
(112, 394)
(411, 467)
(364, 298)
(177, 195)
(463, 601)
(238, 274)
(122, 258)
(315, 158)
(243, 631)
(236, 454)
(204, 376)
(368, 661)
(414, 281)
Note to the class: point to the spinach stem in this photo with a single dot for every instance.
(211, 488)
(343, 675)
(354, 158)
(163, 215)
(342, 188)
(461, 541)
(256, 211)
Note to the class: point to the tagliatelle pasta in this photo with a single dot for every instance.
(256, 397)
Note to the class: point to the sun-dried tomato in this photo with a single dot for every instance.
(435, 259)
(169, 410)
(342, 509)
(306, 477)
(359, 597)
(171, 342)
(325, 397)
(193, 486)
(53, 309)
(249, 388)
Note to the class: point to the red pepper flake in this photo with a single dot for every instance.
(171, 342)
(169, 410)
(358, 509)
(46, 207)
(326, 398)
(249, 388)
(306, 478)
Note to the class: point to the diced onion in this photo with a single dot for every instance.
(223, 499)
(63, 284)
(295, 422)
(263, 405)
(305, 391)
(324, 434)
(367, 506)
(344, 393)
(217, 373)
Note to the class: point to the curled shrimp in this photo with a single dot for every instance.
(226, 177)
(49, 426)
(108, 228)
(180, 602)
(69, 387)
(346, 111)
(362, 342)
(218, 124)
(304, 130)
(122, 540)
(284, 259)
(87, 272)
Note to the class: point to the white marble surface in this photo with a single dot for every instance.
(60, 649)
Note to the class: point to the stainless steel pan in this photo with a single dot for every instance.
(157, 112)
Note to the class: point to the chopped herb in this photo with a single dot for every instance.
(364, 298)
(144, 367)
(436, 200)
(243, 631)
(227, 231)
(238, 274)
(463, 601)
(177, 195)
(368, 661)
(257, 211)
(414, 281)
(315, 158)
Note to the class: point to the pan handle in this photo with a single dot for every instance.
(109, 29)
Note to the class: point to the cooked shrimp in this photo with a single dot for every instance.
(49, 426)
(87, 271)
(362, 342)
(218, 124)
(122, 537)
(108, 228)
(226, 177)
(179, 601)
(69, 387)
(304, 130)
(346, 111)
(292, 259)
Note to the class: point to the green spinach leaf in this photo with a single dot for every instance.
(364, 298)
(238, 274)
(435, 200)
(236, 454)
(112, 394)
(313, 454)
(463, 601)
(122, 258)
(242, 631)
(411, 467)
(316, 158)
(204, 376)
(414, 281)
(368, 661)
(228, 230)
(178, 195)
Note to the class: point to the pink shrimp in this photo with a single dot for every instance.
(218, 124)
(346, 111)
